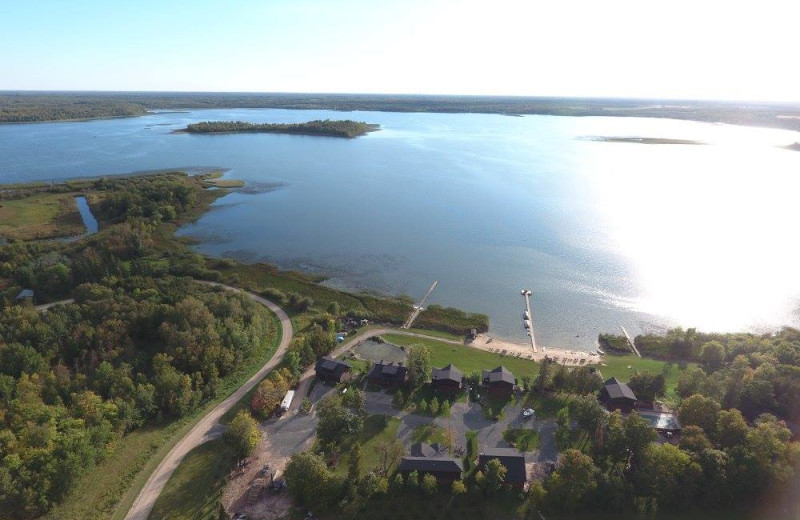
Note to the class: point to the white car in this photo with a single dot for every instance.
(528, 412)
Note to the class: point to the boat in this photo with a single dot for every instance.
(527, 324)
(526, 315)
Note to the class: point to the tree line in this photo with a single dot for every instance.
(327, 127)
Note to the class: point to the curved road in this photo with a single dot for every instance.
(207, 428)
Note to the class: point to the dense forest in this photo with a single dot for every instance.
(142, 343)
(41, 106)
(329, 128)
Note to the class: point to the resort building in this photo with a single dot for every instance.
(332, 371)
(448, 380)
(617, 396)
(514, 461)
(499, 382)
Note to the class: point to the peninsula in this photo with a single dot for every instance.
(328, 128)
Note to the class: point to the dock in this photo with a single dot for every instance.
(630, 341)
(526, 294)
(419, 307)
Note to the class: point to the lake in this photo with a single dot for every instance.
(604, 233)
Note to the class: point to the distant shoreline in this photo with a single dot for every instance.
(63, 106)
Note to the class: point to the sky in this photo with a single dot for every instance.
(698, 49)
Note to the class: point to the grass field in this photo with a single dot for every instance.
(617, 366)
(108, 490)
(467, 359)
(193, 491)
(375, 431)
(40, 216)
(522, 439)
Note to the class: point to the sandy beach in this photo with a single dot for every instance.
(560, 355)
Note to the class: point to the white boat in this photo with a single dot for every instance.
(526, 315)
(527, 324)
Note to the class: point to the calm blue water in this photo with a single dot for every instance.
(86, 215)
(605, 234)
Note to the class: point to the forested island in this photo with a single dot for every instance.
(23, 106)
(327, 127)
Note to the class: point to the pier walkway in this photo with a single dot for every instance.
(630, 341)
(419, 307)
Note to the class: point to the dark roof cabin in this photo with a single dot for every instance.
(500, 381)
(332, 370)
(617, 396)
(447, 380)
(445, 469)
(388, 374)
(514, 461)
(25, 294)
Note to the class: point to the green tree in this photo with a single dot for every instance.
(587, 413)
(354, 465)
(731, 428)
(445, 408)
(412, 480)
(397, 482)
(647, 386)
(638, 434)
(336, 422)
(419, 365)
(562, 434)
(700, 411)
(574, 479)
(309, 480)
(242, 434)
(429, 485)
(434, 406)
(712, 355)
(458, 488)
(494, 477)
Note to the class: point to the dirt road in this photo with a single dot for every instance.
(207, 428)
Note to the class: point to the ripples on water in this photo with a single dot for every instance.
(605, 233)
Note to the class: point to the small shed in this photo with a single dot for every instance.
(25, 295)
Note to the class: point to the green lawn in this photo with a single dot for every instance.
(523, 439)
(44, 215)
(617, 366)
(467, 359)
(430, 433)
(193, 491)
(375, 431)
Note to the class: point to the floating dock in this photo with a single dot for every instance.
(526, 294)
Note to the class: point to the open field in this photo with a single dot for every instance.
(617, 366)
(43, 215)
(467, 359)
(193, 491)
